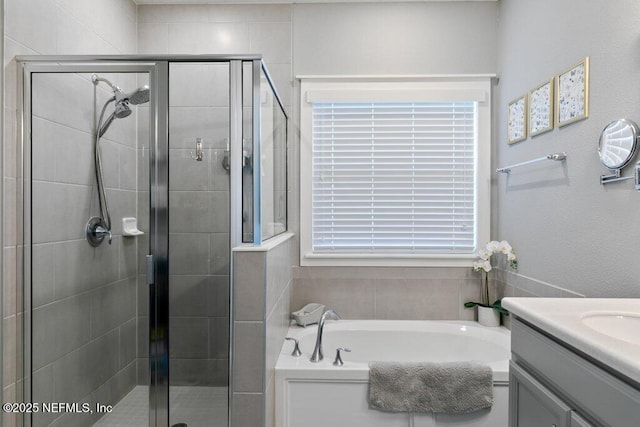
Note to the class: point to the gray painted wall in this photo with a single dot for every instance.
(568, 231)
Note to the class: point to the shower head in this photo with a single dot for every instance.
(139, 96)
(120, 111)
(122, 100)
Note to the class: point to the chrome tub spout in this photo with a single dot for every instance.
(317, 351)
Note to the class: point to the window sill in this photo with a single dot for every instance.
(386, 260)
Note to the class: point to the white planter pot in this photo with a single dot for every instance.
(487, 316)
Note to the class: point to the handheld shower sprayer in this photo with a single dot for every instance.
(100, 226)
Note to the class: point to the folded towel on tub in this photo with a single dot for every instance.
(453, 388)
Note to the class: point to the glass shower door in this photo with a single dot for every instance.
(199, 243)
(86, 301)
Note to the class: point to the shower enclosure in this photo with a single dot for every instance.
(131, 200)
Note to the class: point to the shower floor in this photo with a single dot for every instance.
(194, 406)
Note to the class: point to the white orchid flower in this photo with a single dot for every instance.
(505, 247)
(511, 256)
(476, 266)
(484, 254)
(493, 246)
(486, 265)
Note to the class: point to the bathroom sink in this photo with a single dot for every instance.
(624, 327)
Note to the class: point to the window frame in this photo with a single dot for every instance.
(475, 88)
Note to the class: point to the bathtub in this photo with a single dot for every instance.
(319, 394)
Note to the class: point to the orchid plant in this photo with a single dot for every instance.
(484, 265)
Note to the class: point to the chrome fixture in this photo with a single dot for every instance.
(317, 351)
(555, 156)
(98, 227)
(617, 146)
(199, 155)
(296, 349)
(96, 230)
(338, 360)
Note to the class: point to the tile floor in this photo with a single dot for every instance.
(194, 406)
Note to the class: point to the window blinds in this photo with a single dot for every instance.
(394, 177)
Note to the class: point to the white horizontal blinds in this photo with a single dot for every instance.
(393, 177)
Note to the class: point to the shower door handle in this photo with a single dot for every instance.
(149, 261)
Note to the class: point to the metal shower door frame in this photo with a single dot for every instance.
(158, 68)
(158, 214)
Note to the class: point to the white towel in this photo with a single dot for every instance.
(452, 388)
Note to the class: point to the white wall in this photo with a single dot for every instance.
(567, 229)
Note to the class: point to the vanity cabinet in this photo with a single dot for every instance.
(552, 384)
(533, 405)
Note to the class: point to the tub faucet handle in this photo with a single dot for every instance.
(296, 349)
(338, 361)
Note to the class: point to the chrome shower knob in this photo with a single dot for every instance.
(338, 360)
(296, 349)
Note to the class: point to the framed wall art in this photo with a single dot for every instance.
(517, 120)
(572, 93)
(541, 108)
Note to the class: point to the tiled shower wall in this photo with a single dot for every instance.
(84, 312)
(262, 296)
(199, 108)
(60, 27)
(199, 224)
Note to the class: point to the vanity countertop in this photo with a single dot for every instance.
(576, 321)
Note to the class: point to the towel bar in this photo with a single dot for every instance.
(554, 156)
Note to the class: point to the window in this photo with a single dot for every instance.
(394, 173)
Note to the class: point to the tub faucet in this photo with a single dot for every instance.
(317, 352)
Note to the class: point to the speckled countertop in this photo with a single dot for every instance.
(564, 318)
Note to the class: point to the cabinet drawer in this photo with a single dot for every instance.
(533, 405)
(598, 394)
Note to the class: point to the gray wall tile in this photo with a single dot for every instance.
(189, 253)
(248, 357)
(128, 342)
(67, 208)
(191, 122)
(248, 409)
(59, 328)
(417, 299)
(188, 295)
(350, 298)
(220, 253)
(42, 283)
(85, 369)
(79, 268)
(249, 285)
(189, 337)
(112, 305)
(219, 337)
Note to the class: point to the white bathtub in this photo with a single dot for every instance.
(320, 394)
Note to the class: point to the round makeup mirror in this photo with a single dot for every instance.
(618, 143)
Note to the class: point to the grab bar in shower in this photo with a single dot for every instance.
(555, 156)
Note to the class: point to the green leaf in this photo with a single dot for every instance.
(497, 305)
(470, 304)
